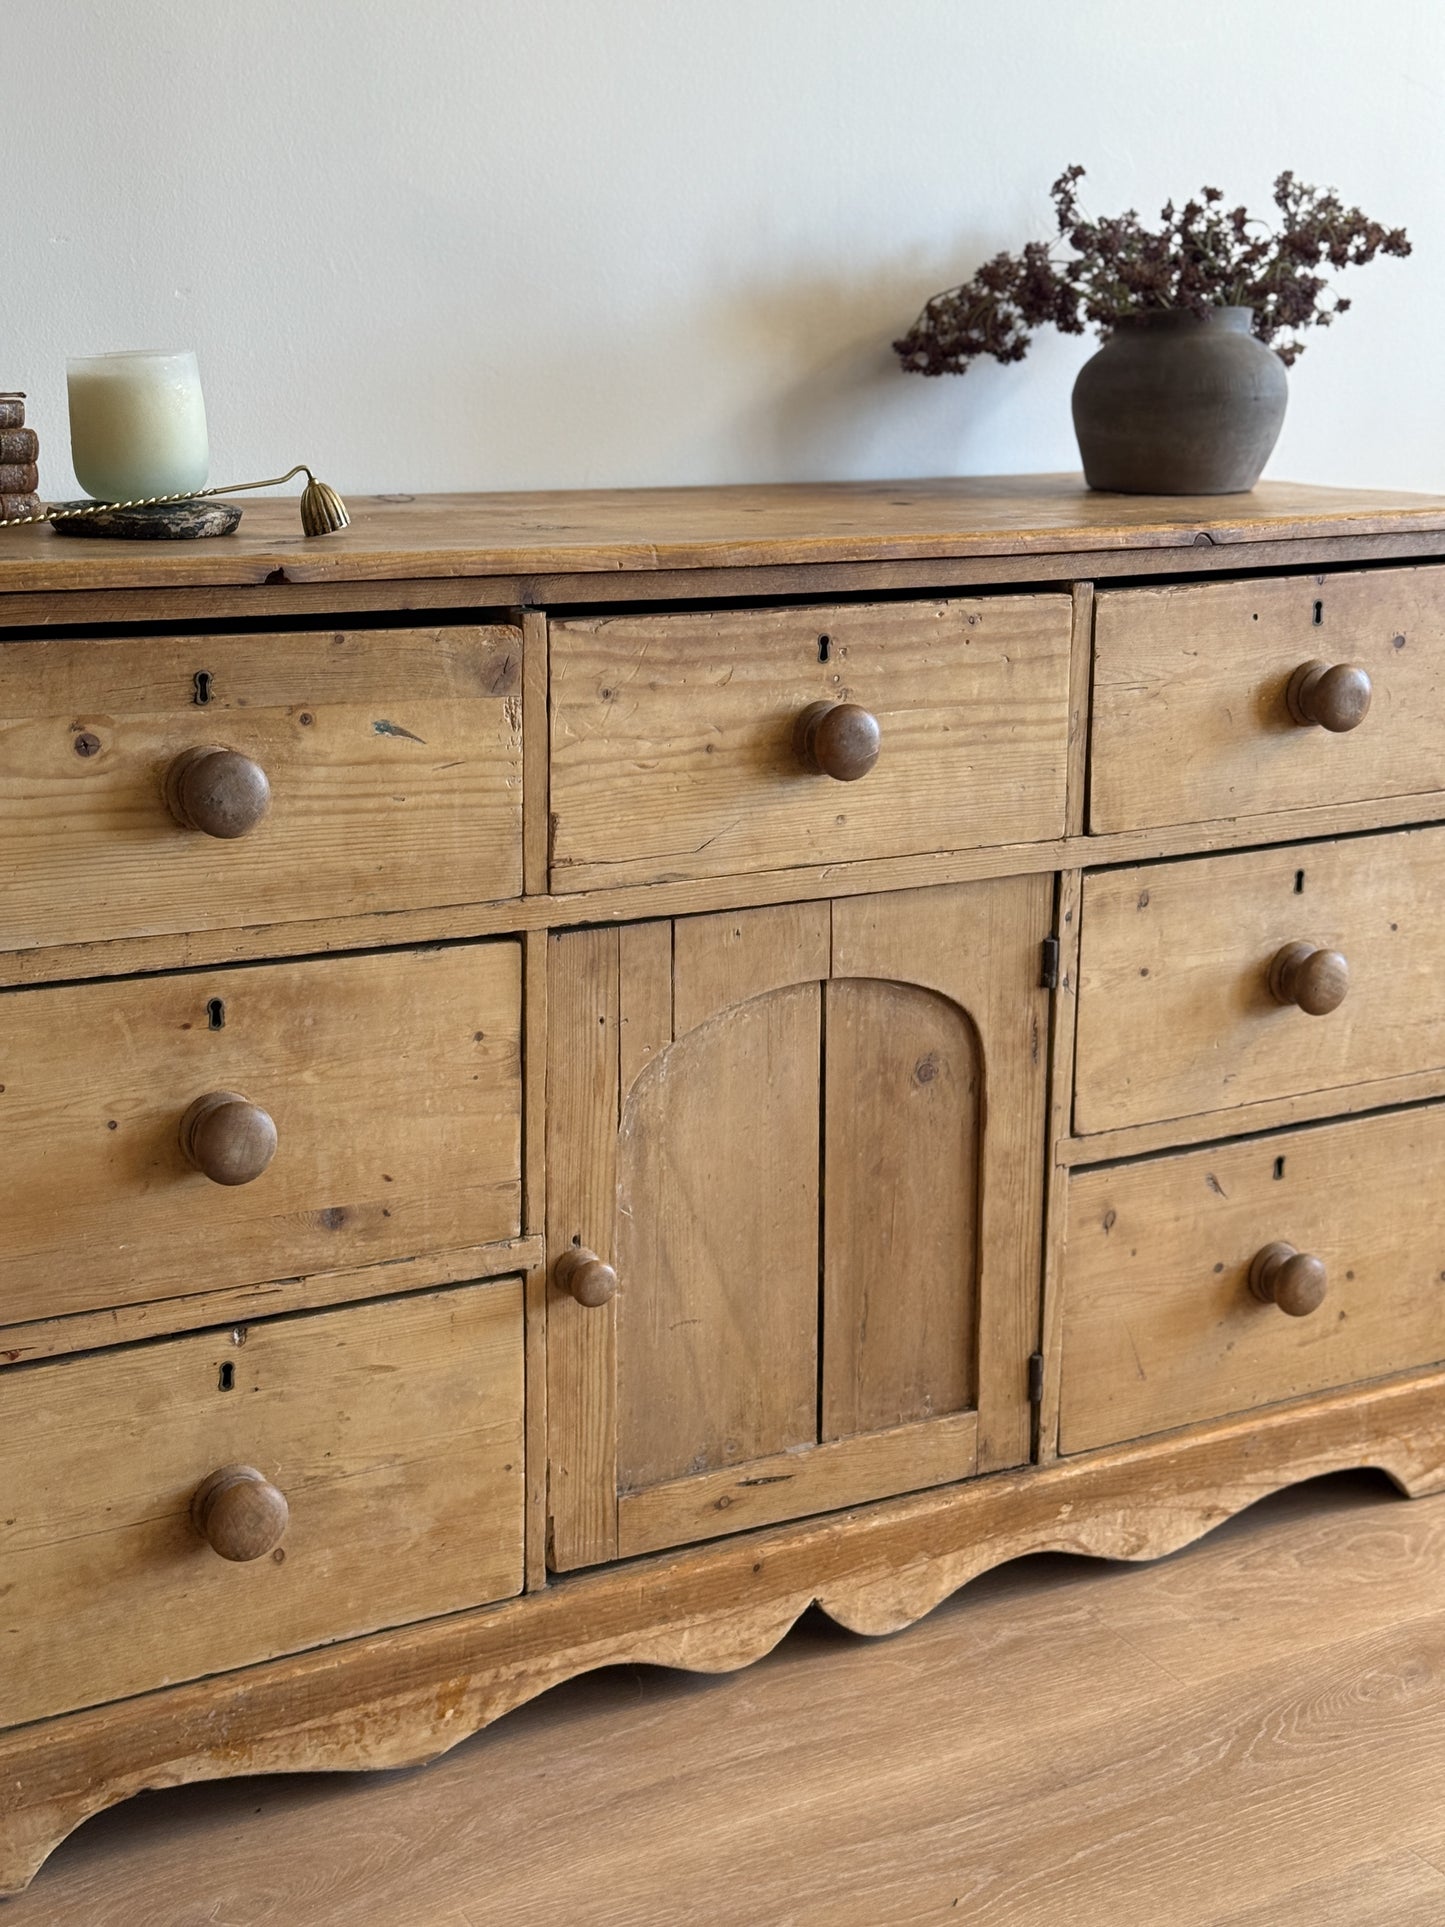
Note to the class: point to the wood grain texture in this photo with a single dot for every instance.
(1176, 1014)
(918, 1220)
(711, 1356)
(535, 777)
(394, 759)
(718, 1198)
(394, 1081)
(793, 1484)
(282, 600)
(1062, 1026)
(401, 1698)
(1401, 1888)
(979, 946)
(902, 1129)
(717, 1245)
(382, 1425)
(534, 1081)
(997, 1765)
(1140, 1140)
(582, 1113)
(673, 736)
(645, 530)
(724, 960)
(645, 998)
(638, 902)
(1160, 1324)
(1190, 718)
(1015, 1759)
(128, 1324)
(534, 1216)
(1081, 671)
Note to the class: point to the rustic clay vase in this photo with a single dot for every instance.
(1179, 404)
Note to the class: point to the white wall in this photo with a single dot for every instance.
(458, 244)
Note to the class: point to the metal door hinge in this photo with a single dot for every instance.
(1036, 1378)
(1049, 964)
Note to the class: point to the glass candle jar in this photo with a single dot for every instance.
(137, 425)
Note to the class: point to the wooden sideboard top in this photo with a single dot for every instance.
(642, 531)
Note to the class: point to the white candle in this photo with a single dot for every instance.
(137, 425)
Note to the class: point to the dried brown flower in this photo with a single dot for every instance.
(1203, 256)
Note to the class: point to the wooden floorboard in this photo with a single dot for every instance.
(1249, 1734)
(1400, 1890)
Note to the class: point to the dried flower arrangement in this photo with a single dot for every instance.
(1202, 257)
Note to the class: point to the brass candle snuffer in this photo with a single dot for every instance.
(322, 510)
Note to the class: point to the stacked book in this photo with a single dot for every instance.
(19, 453)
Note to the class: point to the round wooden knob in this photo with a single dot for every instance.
(1335, 696)
(217, 791)
(582, 1272)
(1313, 980)
(228, 1137)
(839, 739)
(1293, 1280)
(239, 1513)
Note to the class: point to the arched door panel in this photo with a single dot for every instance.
(810, 1139)
(717, 1244)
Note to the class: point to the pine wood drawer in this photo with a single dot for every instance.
(393, 759)
(1161, 1324)
(393, 1430)
(1191, 718)
(393, 1082)
(1176, 1012)
(673, 736)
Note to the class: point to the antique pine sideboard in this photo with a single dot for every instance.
(581, 1072)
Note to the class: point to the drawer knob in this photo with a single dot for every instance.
(840, 740)
(217, 791)
(1315, 981)
(1293, 1280)
(1335, 696)
(582, 1273)
(239, 1513)
(228, 1137)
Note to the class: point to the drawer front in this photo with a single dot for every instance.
(1161, 1325)
(393, 1082)
(392, 758)
(1177, 1014)
(1191, 717)
(393, 1432)
(673, 737)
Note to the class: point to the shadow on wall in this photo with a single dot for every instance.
(841, 403)
(792, 378)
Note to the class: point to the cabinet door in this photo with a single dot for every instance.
(809, 1140)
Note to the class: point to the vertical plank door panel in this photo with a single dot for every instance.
(978, 945)
(737, 954)
(582, 1060)
(900, 1302)
(718, 1244)
(821, 1194)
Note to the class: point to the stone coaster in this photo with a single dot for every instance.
(158, 522)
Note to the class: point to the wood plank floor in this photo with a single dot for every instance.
(1250, 1733)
